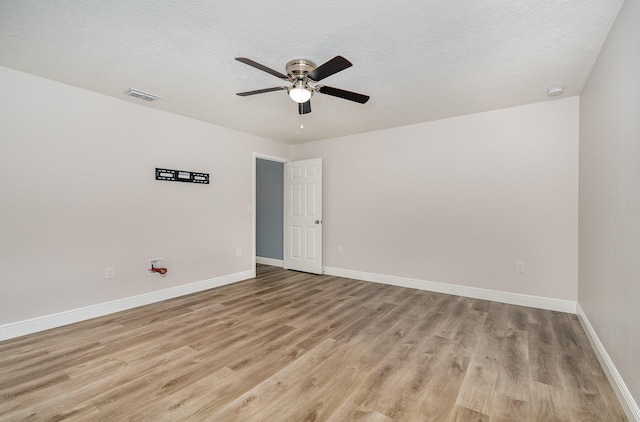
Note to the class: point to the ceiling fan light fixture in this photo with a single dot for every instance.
(300, 93)
(303, 76)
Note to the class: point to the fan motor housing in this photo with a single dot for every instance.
(298, 68)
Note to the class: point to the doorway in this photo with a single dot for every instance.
(269, 206)
(287, 223)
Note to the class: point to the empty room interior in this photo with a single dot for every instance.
(349, 211)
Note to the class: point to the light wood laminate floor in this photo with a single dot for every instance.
(292, 347)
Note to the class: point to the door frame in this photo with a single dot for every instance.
(253, 209)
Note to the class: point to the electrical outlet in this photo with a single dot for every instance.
(340, 249)
(520, 266)
(109, 272)
(238, 252)
(155, 263)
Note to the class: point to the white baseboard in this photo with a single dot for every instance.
(270, 261)
(46, 322)
(624, 395)
(452, 289)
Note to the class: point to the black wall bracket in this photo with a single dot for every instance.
(182, 176)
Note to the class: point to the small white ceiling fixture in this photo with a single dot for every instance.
(142, 95)
(555, 91)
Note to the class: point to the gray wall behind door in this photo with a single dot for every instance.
(269, 208)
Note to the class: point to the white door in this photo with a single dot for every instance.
(303, 215)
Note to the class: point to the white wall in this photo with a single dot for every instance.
(460, 200)
(78, 195)
(609, 270)
(455, 201)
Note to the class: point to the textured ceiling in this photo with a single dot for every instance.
(419, 60)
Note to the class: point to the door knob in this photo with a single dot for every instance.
(318, 221)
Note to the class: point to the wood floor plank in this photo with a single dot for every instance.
(514, 379)
(547, 404)
(437, 381)
(463, 414)
(306, 381)
(509, 409)
(480, 381)
(358, 414)
(184, 403)
(290, 346)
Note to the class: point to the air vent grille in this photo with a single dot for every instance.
(141, 94)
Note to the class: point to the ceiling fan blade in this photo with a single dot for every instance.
(262, 67)
(304, 108)
(261, 91)
(334, 65)
(341, 93)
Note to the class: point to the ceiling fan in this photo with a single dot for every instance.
(304, 76)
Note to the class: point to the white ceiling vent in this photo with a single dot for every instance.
(141, 94)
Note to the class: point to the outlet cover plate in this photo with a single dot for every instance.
(155, 263)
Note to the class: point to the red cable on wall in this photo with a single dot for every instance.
(161, 271)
